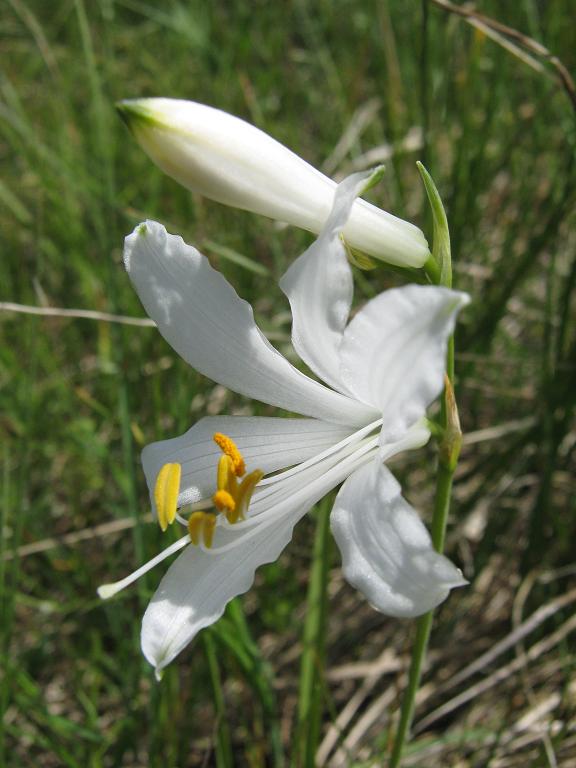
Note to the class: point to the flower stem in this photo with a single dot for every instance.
(223, 741)
(312, 664)
(424, 625)
(423, 629)
(439, 271)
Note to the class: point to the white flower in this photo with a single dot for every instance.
(384, 368)
(232, 162)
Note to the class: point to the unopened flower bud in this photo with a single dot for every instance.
(228, 160)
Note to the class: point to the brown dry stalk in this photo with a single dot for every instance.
(501, 674)
(528, 43)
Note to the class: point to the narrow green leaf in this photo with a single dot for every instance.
(310, 693)
(236, 258)
(441, 247)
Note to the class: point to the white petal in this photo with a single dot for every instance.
(319, 287)
(415, 437)
(386, 551)
(197, 587)
(393, 353)
(231, 161)
(202, 317)
(268, 444)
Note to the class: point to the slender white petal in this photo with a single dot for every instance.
(232, 162)
(319, 287)
(386, 551)
(204, 320)
(197, 587)
(394, 350)
(416, 437)
(266, 443)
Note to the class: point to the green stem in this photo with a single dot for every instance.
(432, 270)
(424, 625)
(259, 674)
(311, 669)
(423, 629)
(438, 268)
(223, 742)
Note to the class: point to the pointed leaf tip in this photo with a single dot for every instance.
(441, 253)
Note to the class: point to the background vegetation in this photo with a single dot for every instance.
(345, 84)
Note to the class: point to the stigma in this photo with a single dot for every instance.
(234, 489)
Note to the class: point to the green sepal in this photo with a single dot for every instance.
(359, 259)
(451, 442)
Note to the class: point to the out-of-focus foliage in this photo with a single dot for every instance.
(346, 84)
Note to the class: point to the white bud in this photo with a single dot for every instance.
(232, 162)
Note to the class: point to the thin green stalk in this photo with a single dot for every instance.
(224, 752)
(105, 224)
(448, 452)
(423, 629)
(311, 668)
(259, 674)
(424, 625)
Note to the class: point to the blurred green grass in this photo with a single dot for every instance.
(78, 398)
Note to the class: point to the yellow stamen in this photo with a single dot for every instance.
(245, 491)
(195, 526)
(209, 526)
(231, 497)
(229, 448)
(166, 493)
(223, 501)
(202, 525)
(226, 479)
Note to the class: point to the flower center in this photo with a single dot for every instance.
(232, 496)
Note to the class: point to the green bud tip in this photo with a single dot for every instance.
(133, 112)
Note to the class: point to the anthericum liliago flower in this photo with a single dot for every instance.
(228, 160)
(239, 484)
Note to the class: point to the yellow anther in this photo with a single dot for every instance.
(166, 493)
(202, 525)
(245, 491)
(229, 448)
(231, 497)
(226, 478)
(223, 501)
(209, 525)
(195, 526)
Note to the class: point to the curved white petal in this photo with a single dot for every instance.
(319, 288)
(202, 317)
(266, 443)
(197, 587)
(229, 160)
(415, 437)
(393, 353)
(386, 551)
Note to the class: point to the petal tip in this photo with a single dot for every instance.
(459, 581)
(463, 299)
